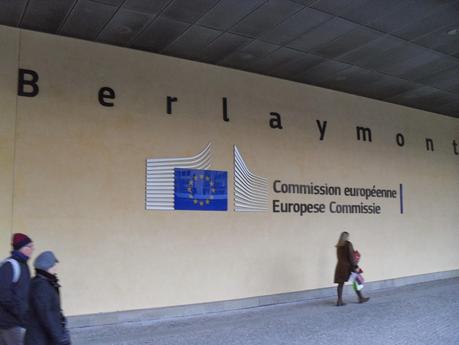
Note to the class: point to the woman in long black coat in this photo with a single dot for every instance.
(47, 324)
(345, 266)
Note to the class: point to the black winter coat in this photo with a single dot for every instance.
(14, 296)
(46, 321)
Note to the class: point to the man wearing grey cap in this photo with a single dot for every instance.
(47, 324)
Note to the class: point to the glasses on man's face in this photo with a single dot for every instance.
(30, 245)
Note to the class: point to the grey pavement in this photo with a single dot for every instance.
(426, 313)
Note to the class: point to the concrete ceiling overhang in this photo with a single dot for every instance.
(399, 51)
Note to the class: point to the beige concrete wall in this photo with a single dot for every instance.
(80, 179)
(9, 47)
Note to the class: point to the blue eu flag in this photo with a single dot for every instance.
(200, 190)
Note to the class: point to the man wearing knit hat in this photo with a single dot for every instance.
(47, 323)
(14, 291)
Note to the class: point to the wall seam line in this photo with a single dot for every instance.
(13, 194)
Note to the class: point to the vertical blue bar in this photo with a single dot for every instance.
(401, 198)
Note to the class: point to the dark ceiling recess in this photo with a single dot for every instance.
(398, 51)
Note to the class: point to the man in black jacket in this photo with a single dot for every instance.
(47, 324)
(14, 291)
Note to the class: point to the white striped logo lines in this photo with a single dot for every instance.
(250, 191)
(159, 192)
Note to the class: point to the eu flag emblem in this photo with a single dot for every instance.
(200, 190)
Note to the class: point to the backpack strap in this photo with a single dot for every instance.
(16, 269)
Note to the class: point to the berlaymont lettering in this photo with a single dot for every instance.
(28, 86)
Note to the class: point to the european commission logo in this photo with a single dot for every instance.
(188, 184)
(200, 190)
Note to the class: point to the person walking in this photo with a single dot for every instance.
(14, 290)
(345, 266)
(47, 324)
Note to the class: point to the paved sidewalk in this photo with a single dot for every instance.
(426, 313)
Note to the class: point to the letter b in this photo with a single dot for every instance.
(31, 82)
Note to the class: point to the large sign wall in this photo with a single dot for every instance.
(91, 138)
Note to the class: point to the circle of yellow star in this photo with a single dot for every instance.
(212, 190)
